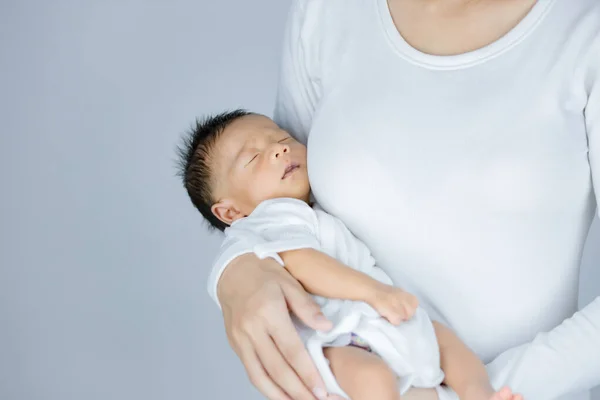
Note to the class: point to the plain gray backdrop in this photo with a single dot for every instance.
(103, 260)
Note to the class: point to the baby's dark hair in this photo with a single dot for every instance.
(194, 166)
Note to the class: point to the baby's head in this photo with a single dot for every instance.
(233, 161)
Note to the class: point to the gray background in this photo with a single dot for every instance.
(103, 260)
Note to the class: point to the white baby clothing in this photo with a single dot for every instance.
(284, 224)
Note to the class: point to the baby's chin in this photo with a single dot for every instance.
(300, 192)
(300, 196)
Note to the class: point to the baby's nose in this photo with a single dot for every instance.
(279, 150)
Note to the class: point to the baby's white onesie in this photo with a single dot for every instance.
(284, 224)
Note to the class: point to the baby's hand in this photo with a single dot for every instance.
(505, 394)
(394, 304)
(485, 392)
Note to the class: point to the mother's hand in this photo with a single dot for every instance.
(257, 297)
(420, 394)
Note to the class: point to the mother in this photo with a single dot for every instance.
(459, 139)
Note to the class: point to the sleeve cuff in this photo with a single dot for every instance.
(223, 260)
(271, 249)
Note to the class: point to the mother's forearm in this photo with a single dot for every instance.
(562, 361)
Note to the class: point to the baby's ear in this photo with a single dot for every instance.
(226, 211)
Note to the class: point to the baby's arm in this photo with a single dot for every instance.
(464, 372)
(325, 276)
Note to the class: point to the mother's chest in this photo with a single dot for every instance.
(448, 143)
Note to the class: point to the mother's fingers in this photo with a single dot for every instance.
(289, 344)
(282, 374)
(257, 374)
(302, 305)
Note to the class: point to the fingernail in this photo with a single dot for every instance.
(320, 317)
(323, 322)
(320, 393)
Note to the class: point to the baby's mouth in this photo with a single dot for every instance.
(290, 170)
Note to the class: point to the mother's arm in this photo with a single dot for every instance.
(256, 297)
(556, 363)
(562, 361)
(566, 359)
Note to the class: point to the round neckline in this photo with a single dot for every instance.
(477, 56)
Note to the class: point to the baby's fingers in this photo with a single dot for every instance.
(409, 311)
(393, 316)
(503, 394)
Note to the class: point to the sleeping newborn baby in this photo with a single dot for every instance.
(249, 178)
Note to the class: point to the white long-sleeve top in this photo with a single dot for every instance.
(470, 177)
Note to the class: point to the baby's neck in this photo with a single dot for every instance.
(308, 199)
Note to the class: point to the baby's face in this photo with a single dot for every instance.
(254, 161)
